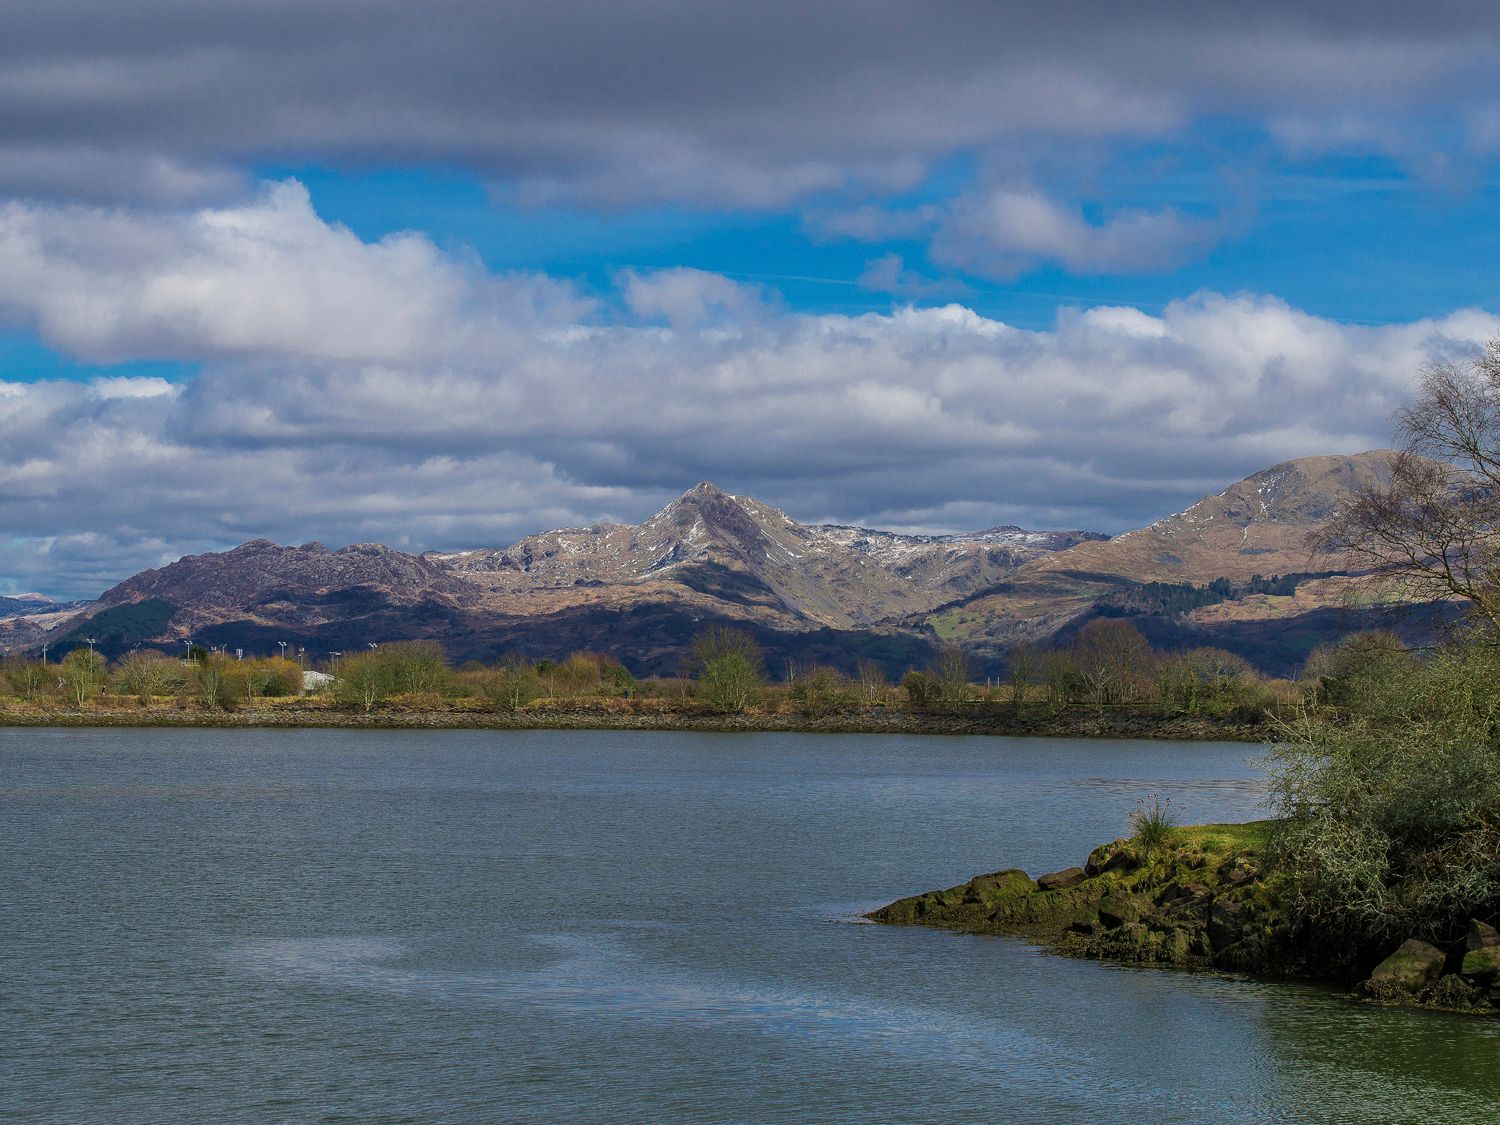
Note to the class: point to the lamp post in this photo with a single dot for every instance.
(92, 641)
(283, 649)
(334, 665)
(44, 652)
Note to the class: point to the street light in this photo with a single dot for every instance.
(44, 652)
(283, 649)
(92, 641)
(334, 667)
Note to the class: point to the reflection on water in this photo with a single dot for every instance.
(588, 926)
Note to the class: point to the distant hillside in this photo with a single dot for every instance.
(1235, 570)
(1236, 567)
(1259, 525)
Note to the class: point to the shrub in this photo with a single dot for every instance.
(729, 666)
(820, 691)
(1391, 806)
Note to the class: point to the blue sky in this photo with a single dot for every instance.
(1357, 239)
(351, 271)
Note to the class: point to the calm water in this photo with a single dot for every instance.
(476, 926)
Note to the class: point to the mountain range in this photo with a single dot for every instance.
(1233, 570)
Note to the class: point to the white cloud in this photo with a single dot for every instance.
(1003, 231)
(393, 391)
(888, 274)
(688, 298)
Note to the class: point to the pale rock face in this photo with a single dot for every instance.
(828, 574)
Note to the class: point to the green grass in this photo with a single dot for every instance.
(1214, 838)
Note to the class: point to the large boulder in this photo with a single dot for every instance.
(1061, 880)
(1226, 923)
(1482, 964)
(1481, 935)
(1411, 968)
(998, 884)
(1121, 909)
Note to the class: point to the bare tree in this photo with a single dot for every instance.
(951, 673)
(1433, 531)
(873, 686)
(1024, 666)
(1113, 659)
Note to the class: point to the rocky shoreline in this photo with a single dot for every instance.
(1077, 722)
(1205, 900)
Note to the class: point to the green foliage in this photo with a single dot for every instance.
(26, 678)
(921, 691)
(1167, 599)
(82, 675)
(1207, 681)
(1356, 673)
(510, 685)
(1151, 824)
(729, 665)
(821, 690)
(124, 624)
(1391, 805)
(146, 673)
(365, 680)
(418, 668)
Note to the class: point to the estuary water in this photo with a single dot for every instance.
(607, 926)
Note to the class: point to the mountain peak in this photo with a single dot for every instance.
(1258, 525)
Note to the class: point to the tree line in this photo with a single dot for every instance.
(1107, 664)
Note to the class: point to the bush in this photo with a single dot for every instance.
(1391, 805)
(820, 691)
(920, 689)
(729, 667)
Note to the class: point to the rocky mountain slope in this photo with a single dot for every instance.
(826, 592)
(1235, 570)
(1259, 525)
(741, 551)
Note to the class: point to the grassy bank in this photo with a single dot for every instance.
(651, 714)
(1204, 897)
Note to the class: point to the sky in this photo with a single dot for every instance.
(443, 275)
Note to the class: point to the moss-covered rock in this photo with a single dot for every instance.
(1482, 964)
(1206, 899)
(1061, 880)
(1413, 966)
(1177, 906)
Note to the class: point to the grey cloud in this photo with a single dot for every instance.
(500, 406)
(736, 105)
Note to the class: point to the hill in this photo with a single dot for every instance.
(1233, 569)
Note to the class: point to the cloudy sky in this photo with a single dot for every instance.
(444, 274)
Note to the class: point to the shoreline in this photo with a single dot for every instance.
(1002, 721)
(1206, 899)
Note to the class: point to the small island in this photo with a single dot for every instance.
(1380, 869)
(1202, 898)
